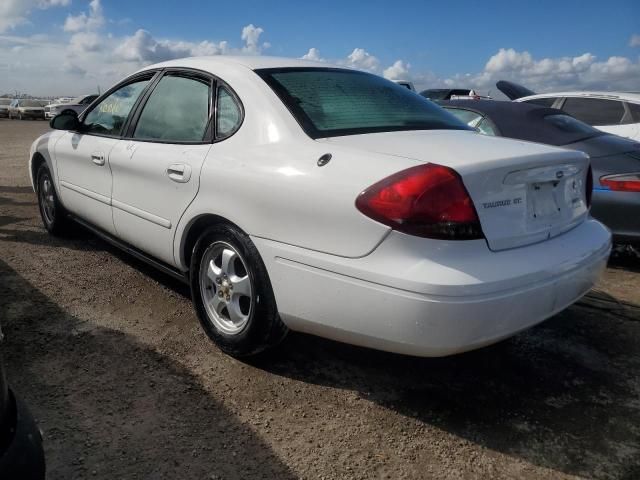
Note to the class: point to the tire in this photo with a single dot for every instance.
(247, 320)
(54, 216)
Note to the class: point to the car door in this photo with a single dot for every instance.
(156, 170)
(82, 156)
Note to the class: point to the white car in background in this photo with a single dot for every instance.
(288, 199)
(612, 112)
(78, 105)
(26, 108)
(4, 106)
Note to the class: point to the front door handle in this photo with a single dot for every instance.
(179, 172)
(98, 158)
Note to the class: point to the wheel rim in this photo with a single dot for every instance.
(226, 288)
(47, 199)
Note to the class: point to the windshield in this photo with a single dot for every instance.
(30, 103)
(331, 102)
(5, 101)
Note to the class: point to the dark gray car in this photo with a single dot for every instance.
(615, 160)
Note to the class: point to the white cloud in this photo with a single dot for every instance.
(398, 71)
(143, 48)
(251, 38)
(92, 21)
(362, 60)
(84, 42)
(561, 73)
(634, 41)
(313, 54)
(16, 12)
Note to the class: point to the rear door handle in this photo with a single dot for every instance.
(179, 172)
(98, 158)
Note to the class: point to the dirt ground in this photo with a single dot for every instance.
(110, 357)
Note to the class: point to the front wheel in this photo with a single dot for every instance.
(232, 294)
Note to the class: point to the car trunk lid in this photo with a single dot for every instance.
(523, 192)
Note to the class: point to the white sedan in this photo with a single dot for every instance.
(296, 196)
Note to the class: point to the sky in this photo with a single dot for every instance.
(71, 47)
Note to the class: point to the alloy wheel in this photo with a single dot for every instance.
(226, 288)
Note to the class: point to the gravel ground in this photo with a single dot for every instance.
(110, 357)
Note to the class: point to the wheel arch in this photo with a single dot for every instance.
(37, 159)
(194, 229)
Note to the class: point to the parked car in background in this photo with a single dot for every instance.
(406, 84)
(23, 108)
(21, 452)
(613, 112)
(4, 106)
(441, 94)
(615, 160)
(78, 105)
(308, 199)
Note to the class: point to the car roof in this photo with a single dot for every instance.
(215, 62)
(524, 121)
(625, 96)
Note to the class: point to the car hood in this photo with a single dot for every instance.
(605, 145)
(454, 148)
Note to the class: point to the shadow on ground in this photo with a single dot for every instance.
(563, 395)
(113, 408)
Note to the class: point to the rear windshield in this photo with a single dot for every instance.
(570, 125)
(331, 102)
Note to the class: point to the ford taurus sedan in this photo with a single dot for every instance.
(292, 195)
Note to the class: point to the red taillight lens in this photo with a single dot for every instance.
(589, 188)
(627, 182)
(428, 200)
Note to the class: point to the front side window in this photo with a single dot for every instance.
(109, 116)
(330, 102)
(595, 111)
(228, 114)
(176, 111)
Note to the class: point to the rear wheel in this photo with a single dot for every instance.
(232, 293)
(53, 214)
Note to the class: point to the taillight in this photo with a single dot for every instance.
(626, 182)
(428, 201)
(589, 188)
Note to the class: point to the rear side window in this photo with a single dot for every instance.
(543, 102)
(108, 116)
(595, 111)
(176, 111)
(228, 114)
(330, 102)
(634, 110)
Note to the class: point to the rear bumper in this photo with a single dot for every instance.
(620, 212)
(434, 306)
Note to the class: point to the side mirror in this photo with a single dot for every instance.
(67, 120)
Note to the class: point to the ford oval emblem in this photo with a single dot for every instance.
(559, 174)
